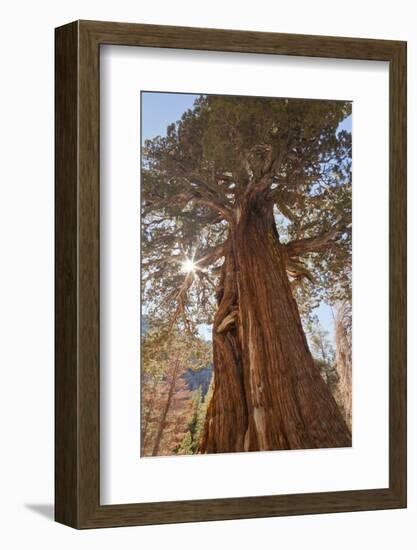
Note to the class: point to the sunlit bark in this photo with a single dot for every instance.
(268, 392)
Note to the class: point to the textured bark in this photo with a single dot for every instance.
(226, 419)
(344, 359)
(268, 393)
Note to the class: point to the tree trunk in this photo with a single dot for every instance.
(226, 419)
(268, 393)
(344, 359)
(163, 420)
(150, 394)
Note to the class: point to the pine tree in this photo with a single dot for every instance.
(186, 447)
(167, 403)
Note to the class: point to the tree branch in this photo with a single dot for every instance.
(214, 205)
(210, 255)
(183, 199)
(180, 296)
(181, 299)
(272, 165)
(311, 244)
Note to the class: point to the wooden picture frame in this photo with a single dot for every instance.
(77, 382)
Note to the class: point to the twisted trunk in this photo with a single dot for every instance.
(268, 393)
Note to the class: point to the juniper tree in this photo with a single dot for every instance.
(246, 208)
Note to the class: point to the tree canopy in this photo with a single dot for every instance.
(195, 178)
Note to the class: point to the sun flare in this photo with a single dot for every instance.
(188, 266)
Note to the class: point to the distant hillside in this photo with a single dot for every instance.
(198, 378)
(144, 326)
(194, 379)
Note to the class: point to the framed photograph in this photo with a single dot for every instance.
(230, 274)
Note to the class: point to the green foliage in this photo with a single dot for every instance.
(194, 179)
(168, 406)
(161, 342)
(186, 447)
(191, 441)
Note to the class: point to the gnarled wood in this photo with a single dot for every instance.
(226, 420)
(268, 392)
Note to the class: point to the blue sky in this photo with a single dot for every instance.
(161, 109)
(346, 124)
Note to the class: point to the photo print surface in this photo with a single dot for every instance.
(246, 316)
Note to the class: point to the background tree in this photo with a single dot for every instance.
(216, 192)
(190, 443)
(343, 323)
(168, 405)
(324, 356)
(319, 341)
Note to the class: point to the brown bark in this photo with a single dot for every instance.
(268, 393)
(226, 419)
